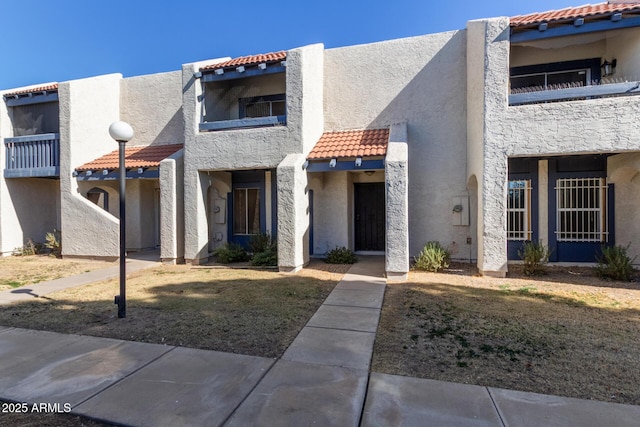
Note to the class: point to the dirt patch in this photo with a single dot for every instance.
(567, 333)
(234, 310)
(19, 271)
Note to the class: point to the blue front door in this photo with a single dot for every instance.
(246, 206)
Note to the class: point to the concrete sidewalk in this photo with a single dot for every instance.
(322, 379)
(38, 290)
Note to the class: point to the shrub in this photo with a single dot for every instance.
(231, 252)
(433, 257)
(535, 256)
(614, 263)
(262, 242)
(265, 258)
(341, 256)
(53, 242)
(31, 248)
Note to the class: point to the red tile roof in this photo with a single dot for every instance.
(134, 157)
(49, 87)
(353, 143)
(248, 60)
(586, 11)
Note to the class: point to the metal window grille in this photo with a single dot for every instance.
(519, 210)
(581, 210)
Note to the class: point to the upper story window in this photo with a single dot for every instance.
(34, 111)
(263, 106)
(244, 92)
(557, 75)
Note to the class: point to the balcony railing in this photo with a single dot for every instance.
(560, 93)
(32, 156)
(244, 123)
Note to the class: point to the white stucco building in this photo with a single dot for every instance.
(509, 130)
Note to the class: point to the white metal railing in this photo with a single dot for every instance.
(519, 210)
(572, 91)
(581, 213)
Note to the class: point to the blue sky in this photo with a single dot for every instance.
(58, 40)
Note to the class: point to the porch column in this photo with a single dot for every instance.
(396, 173)
(293, 214)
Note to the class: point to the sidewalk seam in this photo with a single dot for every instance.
(495, 405)
(126, 376)
(226, 420)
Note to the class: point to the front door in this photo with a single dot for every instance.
(369, 216)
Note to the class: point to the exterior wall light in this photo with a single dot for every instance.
(122, 133)
(333, 162)
(608, 68)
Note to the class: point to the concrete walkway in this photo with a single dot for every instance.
(322, 379)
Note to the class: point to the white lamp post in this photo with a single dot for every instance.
(122, 133)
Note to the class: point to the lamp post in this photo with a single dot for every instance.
(122, 133)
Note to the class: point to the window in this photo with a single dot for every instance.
(552, 80)
(246, 211)
(99, 197)
(581, 212)
(519, 210)
(35, 119)
(263, 106)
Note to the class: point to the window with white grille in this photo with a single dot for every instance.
(581, 210)
(519, 210)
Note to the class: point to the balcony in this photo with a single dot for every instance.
(569, 92)
(33, 156)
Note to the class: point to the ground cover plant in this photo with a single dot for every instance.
(235, 310)
(569, 333)
(20, 271)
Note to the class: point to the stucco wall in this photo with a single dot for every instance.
(260, 148)
(152, 105)
(331, 225)
(624, 173)
(172, 208)
(87, 108)
(397, 204)
(420, 81)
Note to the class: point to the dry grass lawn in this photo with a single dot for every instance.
(17, 271)
(568, 333)
(234, 310)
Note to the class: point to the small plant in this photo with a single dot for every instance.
(262, 242)
(231, 252)
(614, 263)
(341, 255)
(433, 257)
(266, 258)
(31, 248)
(53, 242)
(535, 256)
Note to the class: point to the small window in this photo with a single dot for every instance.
(100, 197)
(263, 106)
(581, 210)
(246, 211)
(519, 210)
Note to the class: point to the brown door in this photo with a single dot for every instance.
(369, 216)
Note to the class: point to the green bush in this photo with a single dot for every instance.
(262, 242)
(614, 263)
(535, 256)
(433, 257)
(231, 252)
(53, 242)
(265, 258)
(341, 256)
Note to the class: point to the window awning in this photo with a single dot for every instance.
(349, 150)
(146, 159)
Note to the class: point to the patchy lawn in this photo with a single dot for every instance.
(568, 333)
(234, 310)
(17, 271)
